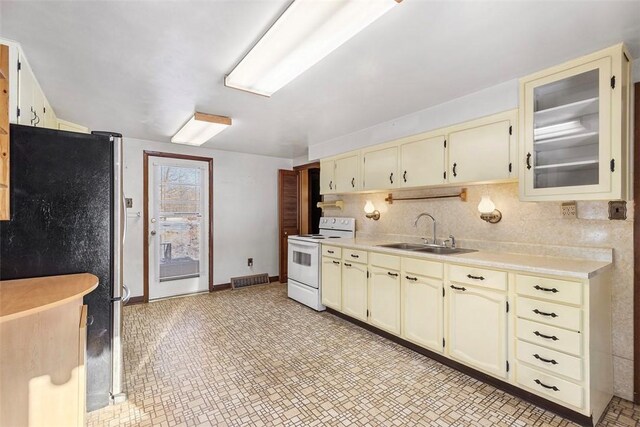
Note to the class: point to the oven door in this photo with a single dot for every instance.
(304, 261)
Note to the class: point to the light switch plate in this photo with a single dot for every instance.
(569, 210)
(128, 202)
(618, 209)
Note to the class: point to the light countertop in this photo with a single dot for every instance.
(554, 266)
(23, 297)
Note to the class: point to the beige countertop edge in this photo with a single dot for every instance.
(552, 266)
(24, 297)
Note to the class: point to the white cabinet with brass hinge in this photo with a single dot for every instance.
(354, 290)
(327, 176)
(384, 299)
(575, 129)
(422, 161)
(422, 304)
(483, 150)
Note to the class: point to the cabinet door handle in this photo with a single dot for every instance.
(540, 288)
(528, 160)
(542, 313)
(414, 279)
(355, 256)
(353, 182)
(336, 262)
(329, 251)
(392, 274)
(391, 177)
(550, 387)
(37, 118)
(548, 337)
(475, 277)
(346, 264)
(330, 185)
(552, 361)
(404, 176)
(455, 165)
(458, 288)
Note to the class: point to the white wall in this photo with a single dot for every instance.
(245, 210)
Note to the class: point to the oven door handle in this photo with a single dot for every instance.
(303, 244)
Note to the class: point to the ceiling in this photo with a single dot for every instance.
(142, 68)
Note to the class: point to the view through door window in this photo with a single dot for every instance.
(180, 222)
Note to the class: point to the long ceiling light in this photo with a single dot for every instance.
(305, 33)
(200, 128)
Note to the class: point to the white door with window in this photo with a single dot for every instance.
(178, 227)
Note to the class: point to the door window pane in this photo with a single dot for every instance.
(180, 224)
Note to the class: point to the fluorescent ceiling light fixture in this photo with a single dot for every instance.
(305, 33)
(200, 128)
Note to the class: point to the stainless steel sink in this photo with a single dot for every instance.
(404, 246)
(417, 247)
(444, 250)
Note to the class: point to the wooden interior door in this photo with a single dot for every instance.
(288, 217)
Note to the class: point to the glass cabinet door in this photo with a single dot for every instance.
(567, 131)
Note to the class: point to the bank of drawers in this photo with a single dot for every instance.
(550, 331)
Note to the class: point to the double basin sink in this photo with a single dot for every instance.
(432, 249)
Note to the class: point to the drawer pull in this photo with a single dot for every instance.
(415, 279)
(548, 337)
(542, 313)
(542, 359)
(329, 252)
(353, 182)
(540, 288)
(550, 387)
(392, 274)
(346, 264)
(458, 289)
(355, 256)
(475, 277)
(336, 262)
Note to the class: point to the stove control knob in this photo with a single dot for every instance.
(334, 220)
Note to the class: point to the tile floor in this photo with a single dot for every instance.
(252, 357)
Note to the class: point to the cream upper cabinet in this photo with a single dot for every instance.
(575, 129)
(422, 162)
(27, 88)
(347, 173)
(50, 119)
(354, 290)
(332, 283)
(327, 177)
(422, 305)
(380, 168)
(384, 299)
(483, 150)
(477, 331)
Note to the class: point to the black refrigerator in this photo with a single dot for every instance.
(67, 217)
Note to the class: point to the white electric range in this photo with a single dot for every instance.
(304, 255)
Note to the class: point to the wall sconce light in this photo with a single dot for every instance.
(488, 211)
(371, 211)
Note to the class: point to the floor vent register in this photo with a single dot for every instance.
(244, 281)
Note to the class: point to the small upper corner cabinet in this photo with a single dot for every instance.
(574, 129)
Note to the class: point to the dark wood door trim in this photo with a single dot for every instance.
(636, 246)
(145, 170)
(314, 165)
(282, 233)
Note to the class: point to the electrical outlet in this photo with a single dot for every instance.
(618, 209)
(569, 210)
(250, 262)
(128, 202)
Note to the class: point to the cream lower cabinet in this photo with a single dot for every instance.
(422, 305)
(332, 282)
(384, 299)
(354, 290)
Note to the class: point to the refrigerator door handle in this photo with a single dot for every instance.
(127, 294)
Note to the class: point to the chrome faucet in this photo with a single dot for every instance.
(415, 224)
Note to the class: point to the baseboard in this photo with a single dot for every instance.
(135, 300)
(560, 410)
(221, 287)
(273, 279)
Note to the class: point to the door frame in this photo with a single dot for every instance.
(635, 146)
(145, 239)
(282, 255)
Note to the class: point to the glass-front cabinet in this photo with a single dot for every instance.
(574, 129)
